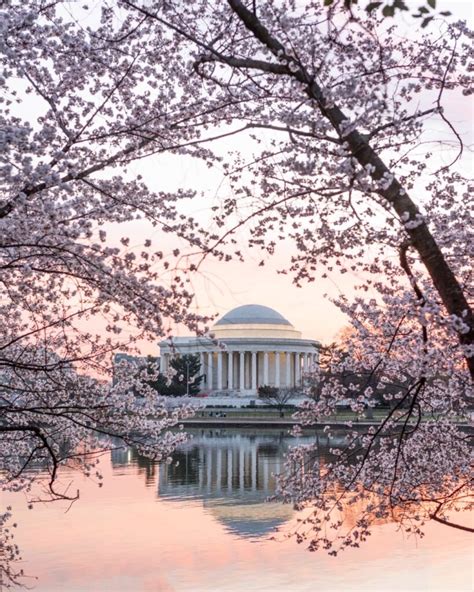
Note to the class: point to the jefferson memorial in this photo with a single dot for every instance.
(250, 346)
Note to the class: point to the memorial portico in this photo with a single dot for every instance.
(251, 346)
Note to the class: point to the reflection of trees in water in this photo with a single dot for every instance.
(269, 449)
(235, 460)
(125, 456)
(185, 466)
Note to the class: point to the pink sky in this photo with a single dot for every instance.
(220, 286)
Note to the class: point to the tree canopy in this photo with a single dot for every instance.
(185, 380)
(349, 153)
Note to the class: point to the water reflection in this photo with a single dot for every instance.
(123, 457)
(201, 524)
(224, 465)
(233, 473)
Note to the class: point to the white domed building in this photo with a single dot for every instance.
(252, 346)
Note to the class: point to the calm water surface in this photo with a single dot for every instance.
(202, 524)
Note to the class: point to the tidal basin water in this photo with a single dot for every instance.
(202, 524)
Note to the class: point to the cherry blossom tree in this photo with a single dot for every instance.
(427, 11)
(354, 157)
(77, 107)
(349, 152)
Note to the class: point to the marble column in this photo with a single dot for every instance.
(254, 371)
(219, 371)
(266, 474)
(288, 369)
(162, 363)
(241, 371)
(209, 370)
(230, 370)
(265, 367)
(202, 364)
(277, 369)
(297, 369)
(306, 368)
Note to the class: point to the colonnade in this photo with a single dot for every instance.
(246, 370)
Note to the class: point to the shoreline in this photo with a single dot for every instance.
(283, 422)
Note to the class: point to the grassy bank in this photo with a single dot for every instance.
(213, 415)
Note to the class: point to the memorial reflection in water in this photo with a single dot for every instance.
(232, 473)
(202, 523)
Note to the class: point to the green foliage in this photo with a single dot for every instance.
(186, 380)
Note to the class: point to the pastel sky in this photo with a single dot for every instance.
(221, 286)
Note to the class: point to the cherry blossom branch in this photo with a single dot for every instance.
(256, 213)
(441, 110)
(385, 126)
(451, 524)
(390, 189)
(52, 455)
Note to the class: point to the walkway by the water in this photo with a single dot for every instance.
(224, 418)
(242, 421)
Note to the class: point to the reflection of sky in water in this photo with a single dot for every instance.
(232, 473)
(180, 531)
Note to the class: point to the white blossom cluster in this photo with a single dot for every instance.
(345, 166)
(342, 158)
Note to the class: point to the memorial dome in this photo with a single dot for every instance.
(253, 314)
(254, 320)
